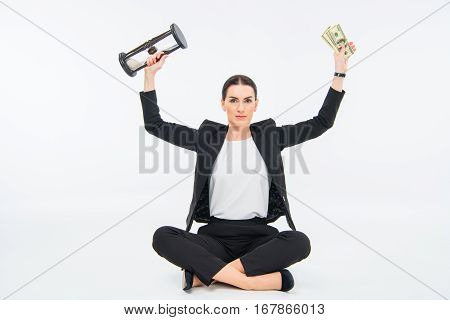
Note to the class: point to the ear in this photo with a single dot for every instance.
(256, 103)
(222, 103)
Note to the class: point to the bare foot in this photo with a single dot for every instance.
(268, 281)
(279, 280)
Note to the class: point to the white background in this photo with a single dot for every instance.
(375, 193)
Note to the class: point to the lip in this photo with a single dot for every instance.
(241, 117)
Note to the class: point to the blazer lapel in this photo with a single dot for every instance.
(262, 143)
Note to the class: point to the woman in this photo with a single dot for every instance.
(237, 246)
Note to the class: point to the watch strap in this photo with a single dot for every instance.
(338, 74)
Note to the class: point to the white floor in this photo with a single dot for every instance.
(121, 263)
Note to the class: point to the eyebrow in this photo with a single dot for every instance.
(237, 98)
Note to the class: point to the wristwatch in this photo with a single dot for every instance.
(338, 74)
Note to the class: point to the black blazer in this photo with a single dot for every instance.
(269, 138)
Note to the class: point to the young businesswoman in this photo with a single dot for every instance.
(240, 192)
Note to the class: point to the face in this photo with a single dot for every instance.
(239, 104)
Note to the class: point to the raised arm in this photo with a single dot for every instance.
(292, 134)
(174, 133)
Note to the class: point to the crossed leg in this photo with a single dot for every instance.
(253, 271)
(233, 273)
(258, 269)
(236, 264)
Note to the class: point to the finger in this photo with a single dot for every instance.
(162, 58)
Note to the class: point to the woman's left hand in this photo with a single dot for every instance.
(340, 62)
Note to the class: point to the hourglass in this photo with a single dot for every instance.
(132, 66)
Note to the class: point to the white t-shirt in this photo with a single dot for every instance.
(239, 183)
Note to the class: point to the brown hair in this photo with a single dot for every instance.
(238, 79)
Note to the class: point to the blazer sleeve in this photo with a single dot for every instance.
(174, 133)
(292, 134)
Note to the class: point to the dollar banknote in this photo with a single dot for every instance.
(335, 38)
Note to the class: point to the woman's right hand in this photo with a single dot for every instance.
(152, 65)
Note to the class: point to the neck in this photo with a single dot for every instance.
(238, 132)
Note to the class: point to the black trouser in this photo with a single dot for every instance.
(261, 248)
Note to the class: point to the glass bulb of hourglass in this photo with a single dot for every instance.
(134, 64)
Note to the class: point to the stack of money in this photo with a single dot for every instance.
(335, 38)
